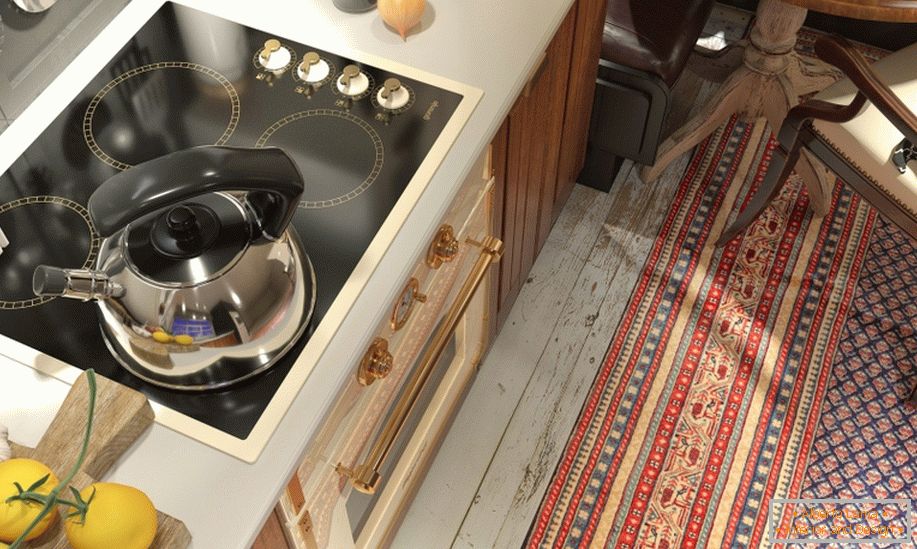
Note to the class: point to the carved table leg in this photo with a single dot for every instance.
(810, 75)
(727, 101)
(767, 84)
(812, 172)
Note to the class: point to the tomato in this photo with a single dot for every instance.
(118, 516)
(16, 516)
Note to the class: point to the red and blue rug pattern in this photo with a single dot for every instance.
(775, 367)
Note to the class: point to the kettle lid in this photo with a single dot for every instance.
(180, 224)
(189, 243)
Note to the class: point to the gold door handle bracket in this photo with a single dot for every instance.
(376, 363)
(444, 247)
(365, 477)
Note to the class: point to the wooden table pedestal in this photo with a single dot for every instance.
(767, 84)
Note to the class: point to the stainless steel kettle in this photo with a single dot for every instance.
(200, 281)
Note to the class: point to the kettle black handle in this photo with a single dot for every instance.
(269, 175)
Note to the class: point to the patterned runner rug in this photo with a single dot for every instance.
(776, 367)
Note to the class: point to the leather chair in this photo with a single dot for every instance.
(645, 47)
(872, 149)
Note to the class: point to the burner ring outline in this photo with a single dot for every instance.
(90, 110)
(94, 240)
(359, 189)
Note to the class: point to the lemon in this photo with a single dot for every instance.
(118, 516)
(16, 516)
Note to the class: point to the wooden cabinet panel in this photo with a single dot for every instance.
(530, 160)
(584, 66)
(550, 100)
(514, 205)
(272, 536)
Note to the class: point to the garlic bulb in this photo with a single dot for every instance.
(5, 451)
(402, 15)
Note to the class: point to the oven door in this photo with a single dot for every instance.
(375, 446)
(373, 518)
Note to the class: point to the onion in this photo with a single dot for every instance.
(402, 15)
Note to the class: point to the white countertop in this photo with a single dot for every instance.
(491, 45)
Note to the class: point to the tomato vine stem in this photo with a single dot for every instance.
(51, 500)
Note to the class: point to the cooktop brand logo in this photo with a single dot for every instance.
(847, 521)
(429, 114)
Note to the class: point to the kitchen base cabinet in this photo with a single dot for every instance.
(541, 147)
(272, 535)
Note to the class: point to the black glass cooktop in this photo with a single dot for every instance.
(188, 78)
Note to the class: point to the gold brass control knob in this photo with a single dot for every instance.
(377, 362)
(275, 57)
(349, 73)
(313, 69)
(308, 60)
(444, 247)
(393, 96)
(353, 82)
(390, 86)
(270, 46)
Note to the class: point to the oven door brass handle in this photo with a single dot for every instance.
(365, 477)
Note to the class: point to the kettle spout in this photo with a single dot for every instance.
(79, 284)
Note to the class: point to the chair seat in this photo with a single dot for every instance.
(653, 37)
(867, 141)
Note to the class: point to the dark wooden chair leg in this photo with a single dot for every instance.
(789, 139)
(773, 181)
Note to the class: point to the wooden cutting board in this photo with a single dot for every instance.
(121, 416)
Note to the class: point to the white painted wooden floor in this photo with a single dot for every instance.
(493, 468)
(490, 475)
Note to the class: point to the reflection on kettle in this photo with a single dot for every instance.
(192, 328)
(197, 287)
